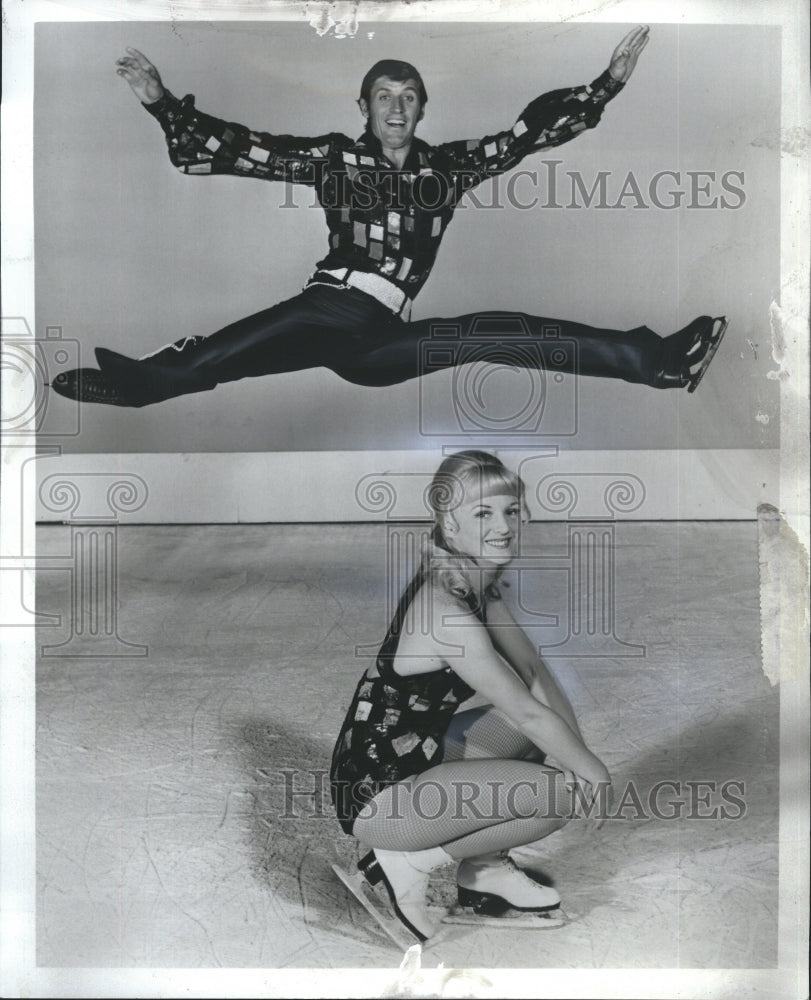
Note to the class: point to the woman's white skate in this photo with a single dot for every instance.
(494, 891)
(361, 890)
(485, 914)
(507, 917)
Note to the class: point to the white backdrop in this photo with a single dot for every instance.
(131, 254)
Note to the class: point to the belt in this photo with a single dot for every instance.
(380, 288)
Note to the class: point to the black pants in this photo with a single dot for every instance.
(351, 333)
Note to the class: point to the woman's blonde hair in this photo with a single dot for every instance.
(464, 476)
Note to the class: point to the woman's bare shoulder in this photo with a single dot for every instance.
(432, 616)
(450, 614)
(441, 599)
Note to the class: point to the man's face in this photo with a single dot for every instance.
(393, 110)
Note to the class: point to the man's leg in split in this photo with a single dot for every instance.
(302, 332)
(317, 327)
(425, 346)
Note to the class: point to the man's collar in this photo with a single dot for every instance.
(373, 144)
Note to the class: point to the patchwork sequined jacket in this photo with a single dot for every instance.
(380, 219)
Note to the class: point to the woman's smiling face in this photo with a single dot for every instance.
(487, 528)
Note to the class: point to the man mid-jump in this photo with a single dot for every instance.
(388, 198)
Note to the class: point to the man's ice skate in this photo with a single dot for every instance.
(146, 381)
(89, 385)
(494, 891)
(720, 324)
(688, 353)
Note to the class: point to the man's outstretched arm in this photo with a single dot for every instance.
(141, 75)
(549, 120)
(571, 119)
(201, 144)
(627, 52)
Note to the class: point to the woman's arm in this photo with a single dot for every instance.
(482, 668)
(512, 643)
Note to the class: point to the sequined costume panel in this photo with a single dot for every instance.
(381, 220)
(395, 723)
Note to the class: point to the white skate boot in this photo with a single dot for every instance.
(493, 884)
(404, 875)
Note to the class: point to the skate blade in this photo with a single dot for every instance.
(545, 921)
(356, 884)
(705, 363)
(81, 389)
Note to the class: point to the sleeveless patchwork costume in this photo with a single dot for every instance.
(395, 724)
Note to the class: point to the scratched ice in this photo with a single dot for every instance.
(161, 782)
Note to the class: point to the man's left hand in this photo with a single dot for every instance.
(627, 52)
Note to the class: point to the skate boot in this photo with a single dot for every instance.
(173, 354)
(89, 385)
(405, 877)
(493, 884)
(149, 382)
(688, 353)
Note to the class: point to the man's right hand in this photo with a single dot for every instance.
(141, 75)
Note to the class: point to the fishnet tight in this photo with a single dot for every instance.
(485, 796)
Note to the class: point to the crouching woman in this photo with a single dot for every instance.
(458, 744)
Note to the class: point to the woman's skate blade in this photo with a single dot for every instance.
(514, 919)
(391, 925)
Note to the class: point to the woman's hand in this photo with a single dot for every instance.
(141, 75)
(592, 795)
(627, 52)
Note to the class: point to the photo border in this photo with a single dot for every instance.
(20, 975)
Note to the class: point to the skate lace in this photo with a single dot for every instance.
(98, 384)
(511, 866)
